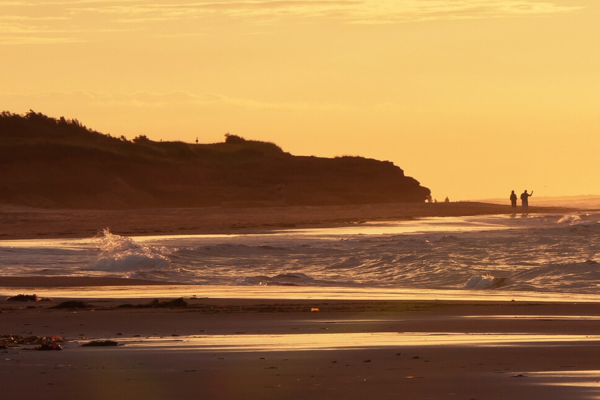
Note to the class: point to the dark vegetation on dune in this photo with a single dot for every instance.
(60, 163)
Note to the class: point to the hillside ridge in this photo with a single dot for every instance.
(60, 163)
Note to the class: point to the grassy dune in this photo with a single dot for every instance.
(59, 163)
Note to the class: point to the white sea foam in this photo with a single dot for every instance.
(286, 279)
(479, 282)
(570, 219)
(123, 254)
(533, 254)
(583, 220)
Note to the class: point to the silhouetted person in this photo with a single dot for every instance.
(525, 201)
(513, 199)
(447, 200)
(281, 193)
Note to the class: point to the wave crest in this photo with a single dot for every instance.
(479, 282)
(570, 219)
(123, 254)
(286, 279)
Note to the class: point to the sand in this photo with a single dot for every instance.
(280, 349)
(33, 223)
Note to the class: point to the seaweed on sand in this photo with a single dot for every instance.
(100, 343)
(27, 297)
(42, 343)
(72, 304)
(177, 303)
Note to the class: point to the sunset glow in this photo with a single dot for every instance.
(472, 98)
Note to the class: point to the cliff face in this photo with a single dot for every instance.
(58, 163)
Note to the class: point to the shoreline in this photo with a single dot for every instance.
(21, 223)
(118, 289)
(257, 349)
(74, 281)
(284, 342)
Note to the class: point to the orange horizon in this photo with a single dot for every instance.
(471, 100)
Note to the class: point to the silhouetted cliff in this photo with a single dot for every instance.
(59, 163)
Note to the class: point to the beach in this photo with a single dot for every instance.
(276, 349)
(257, 337)
(299, 200)
(33, 223)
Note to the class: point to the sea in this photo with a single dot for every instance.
(556, 255)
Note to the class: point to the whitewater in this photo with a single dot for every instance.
(540, 253)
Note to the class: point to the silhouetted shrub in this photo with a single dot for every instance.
(234, 139)
(141, 139)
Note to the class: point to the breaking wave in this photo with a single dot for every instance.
(124, 255)
(570, 219)
(479, 282)
(288, 279)
(579, 219)
(545, 253)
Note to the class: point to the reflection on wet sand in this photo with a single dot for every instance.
(294, 293)
(567, 378)
(539, 317)
(348, 341)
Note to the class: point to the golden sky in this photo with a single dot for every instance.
(473, 98)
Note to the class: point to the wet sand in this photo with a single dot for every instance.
(33, 223)
(280, 349)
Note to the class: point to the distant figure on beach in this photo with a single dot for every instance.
(447, 200)
(525, 201)
(281, 193)
(513, 199)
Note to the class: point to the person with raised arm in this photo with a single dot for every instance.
(525, 201)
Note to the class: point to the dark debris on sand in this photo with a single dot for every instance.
(27, 297)
(100, 343)
(177, 303)
(72, 304)
(48, 346)
(42, 343)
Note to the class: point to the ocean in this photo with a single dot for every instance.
(552, 254)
